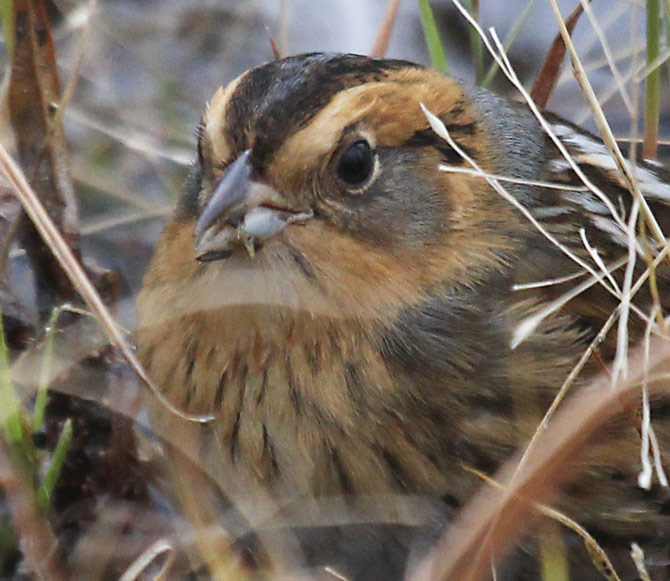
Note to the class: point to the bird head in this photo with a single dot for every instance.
(327, 165)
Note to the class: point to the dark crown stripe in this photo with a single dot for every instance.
(281, 97)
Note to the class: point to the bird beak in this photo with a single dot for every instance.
(241, 211)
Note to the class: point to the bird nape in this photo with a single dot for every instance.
(376, 316)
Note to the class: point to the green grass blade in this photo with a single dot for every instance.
(7, 18)
(52, 473)
(476, 44)
(47, 360)
(9, 408)
(553, 558)
(435, 46)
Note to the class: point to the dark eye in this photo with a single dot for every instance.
(356, 164)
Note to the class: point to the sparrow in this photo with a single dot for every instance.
(371, 312)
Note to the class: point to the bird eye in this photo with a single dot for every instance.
(356, 164)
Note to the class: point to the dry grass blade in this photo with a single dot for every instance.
(605, 130)
(601, 560)
(440, 129)
(133, 139)
(493, 522)
(627, 173)
(273, 45)
(381, 44)
(609, 56)
(562, 392)
(115, 221)
(644, 72)
(500, 57)
(68, 92)
(68, 262)
(637, 554)
(148, 558)
(647, 433)
(503, 179)
(548, 76)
